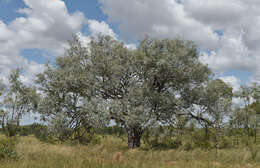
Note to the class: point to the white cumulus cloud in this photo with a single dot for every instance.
(227, 32)
(46, 25)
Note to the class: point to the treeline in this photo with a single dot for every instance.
(42, 132)
(33, 129)
(26, 130)
(161, 85)
(162, 137)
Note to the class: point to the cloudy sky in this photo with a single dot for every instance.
(227, 32)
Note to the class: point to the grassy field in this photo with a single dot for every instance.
(113, 153)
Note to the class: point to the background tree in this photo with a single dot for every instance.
(245, 94)
(254, 118)
(218, 101)
(2, 87)
(236, 122)
(250, 96)
(254, 110)
(18, 100)
(2, 113)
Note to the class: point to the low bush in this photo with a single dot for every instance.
(173, 143)
(8, 149)
(42, 133)
(187, 146)
(23, 132)
(86, 140)
(201, 141)
(225, 142)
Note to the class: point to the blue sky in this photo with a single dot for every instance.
(90, 8)
(35, 31)
(8, 8)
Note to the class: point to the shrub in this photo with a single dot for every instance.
(225, 142)
(11, 130)
(85, 137)
(202, 142)
(173, 142)
(95, 140)
(162, 137)
(23, 132)
(42, 133)
(86, 140)
(8, 149)
(246, 141)
(188, 146)
(163, 142)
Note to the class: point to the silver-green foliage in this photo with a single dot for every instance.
(17, 100)
(140, 88)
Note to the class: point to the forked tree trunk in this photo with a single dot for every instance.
(134, 137)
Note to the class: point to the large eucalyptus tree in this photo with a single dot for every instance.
(137, 88)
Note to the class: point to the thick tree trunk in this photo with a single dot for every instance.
(134, 137)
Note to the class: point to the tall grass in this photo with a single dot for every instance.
(113, 153)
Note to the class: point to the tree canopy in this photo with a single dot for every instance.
(136, 88)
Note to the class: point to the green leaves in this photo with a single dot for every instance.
(136, 88)
(18, 99)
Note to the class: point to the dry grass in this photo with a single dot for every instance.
(113, 153)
